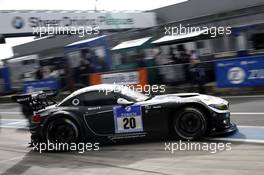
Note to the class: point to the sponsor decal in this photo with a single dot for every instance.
(18, 22)
(75, 102)
(240, 72)
(128, 119)
(236, 75)
(94, 108)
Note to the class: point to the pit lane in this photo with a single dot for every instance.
(139, 158)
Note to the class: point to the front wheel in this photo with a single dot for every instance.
(189, 124)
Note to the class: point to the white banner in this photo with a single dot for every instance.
(124, 78)
(17, 22)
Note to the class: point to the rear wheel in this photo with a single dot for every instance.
(189, 124)
(62, 130)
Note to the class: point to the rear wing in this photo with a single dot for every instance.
(36, 101)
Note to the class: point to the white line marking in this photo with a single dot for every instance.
(237, 140)
(15, 127)
(9, 104)
(14, 158)
(15, 113)
(247, 113)
(244, 96)
(15, 120)
(260, 127)
(12, 123)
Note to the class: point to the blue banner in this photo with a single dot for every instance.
(41, 85)
(5, 80)
(240, 72)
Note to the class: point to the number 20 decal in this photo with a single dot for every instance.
(128, 119)
(129, 123)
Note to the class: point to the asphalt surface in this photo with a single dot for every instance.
(138, 158)
(247, 111)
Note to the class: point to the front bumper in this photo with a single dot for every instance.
(229, 130)
(221, 124)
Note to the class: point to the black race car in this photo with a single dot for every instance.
(112, 112)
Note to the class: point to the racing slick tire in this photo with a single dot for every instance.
(189, 124)
(62, 130)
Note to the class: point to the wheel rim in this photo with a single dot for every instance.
(189, 124)
(62, 132)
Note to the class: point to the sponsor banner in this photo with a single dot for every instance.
(18, 22)
(41, 85)
(138, 77)
(123, 78)
(5, 84)
(240, 72)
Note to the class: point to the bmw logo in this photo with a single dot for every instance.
(236, 75)
(128, 108)
(18, 22)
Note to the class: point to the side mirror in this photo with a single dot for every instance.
(123, 101)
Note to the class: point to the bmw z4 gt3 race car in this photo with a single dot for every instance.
(111, 112)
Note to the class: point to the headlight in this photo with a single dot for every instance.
(219, 106)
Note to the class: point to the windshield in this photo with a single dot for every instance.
(137, 96)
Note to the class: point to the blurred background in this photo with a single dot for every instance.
(132, 47)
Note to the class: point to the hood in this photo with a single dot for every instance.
(173, 98)
(186, 97)
(208, 99)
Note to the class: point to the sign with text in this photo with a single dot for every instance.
(124, 78)
(240, 72)
(17, 22)
(136, 77)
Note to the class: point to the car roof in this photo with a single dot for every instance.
(102, 87)
(109, 87)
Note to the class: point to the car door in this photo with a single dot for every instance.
(98, 111)
(105, 116)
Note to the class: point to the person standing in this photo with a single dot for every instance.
(197, 71)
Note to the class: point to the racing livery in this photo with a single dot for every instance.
(111, 112)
